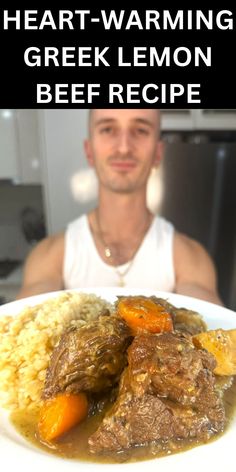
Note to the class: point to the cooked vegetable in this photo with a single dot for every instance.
(222, 344)
(61, 413)
(144, 315)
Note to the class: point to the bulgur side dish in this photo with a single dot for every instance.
(27, 341)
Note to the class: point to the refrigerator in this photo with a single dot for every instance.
(199, 197)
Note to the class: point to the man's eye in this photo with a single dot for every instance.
(141, 131)
(106, 130)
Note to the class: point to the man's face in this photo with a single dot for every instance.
(123, 147)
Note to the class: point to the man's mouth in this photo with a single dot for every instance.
(123, 164)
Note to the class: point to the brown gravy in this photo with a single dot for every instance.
(74, 444)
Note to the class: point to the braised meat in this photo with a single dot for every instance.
(166, 392)
(90, 358)
(189, 321)
(133, 421)
(169, 365)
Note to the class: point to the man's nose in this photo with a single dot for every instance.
(124, 142)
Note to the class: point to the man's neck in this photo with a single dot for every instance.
(122, 215)
(118, 225)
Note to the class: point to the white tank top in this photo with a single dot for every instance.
(152, 266)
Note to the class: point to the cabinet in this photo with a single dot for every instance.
(196, 120)
(215, 119)
(20, 158)
(172, 120)
(10, 286)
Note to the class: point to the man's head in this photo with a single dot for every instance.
(123, 146)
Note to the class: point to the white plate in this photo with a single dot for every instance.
(17, 454)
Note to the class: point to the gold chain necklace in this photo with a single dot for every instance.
(108, 253)
(123, 273)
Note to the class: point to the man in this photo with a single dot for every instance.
(120, 242)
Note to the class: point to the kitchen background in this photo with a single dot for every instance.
(42, 160)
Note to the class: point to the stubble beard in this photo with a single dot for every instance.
(127, 188)
(121, 182)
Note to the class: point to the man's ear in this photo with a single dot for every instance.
(159, 153)
(88, 152)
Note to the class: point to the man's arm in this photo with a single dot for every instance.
(43, 271)
(194, 269)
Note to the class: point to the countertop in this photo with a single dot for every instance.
(14, 278)
(10, 286)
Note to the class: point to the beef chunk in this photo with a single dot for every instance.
(132, 421)
(168, 365)
(166, 392)
(137, 421)
(90, 358)
(189, 321)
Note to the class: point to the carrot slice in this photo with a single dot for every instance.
(61, 413)
(143, 314)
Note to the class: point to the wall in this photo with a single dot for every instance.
(63, 132)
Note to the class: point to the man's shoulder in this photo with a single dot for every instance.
(188, 249)
(182, 240)
(57, 238)
(55, 243)
(50, 245)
